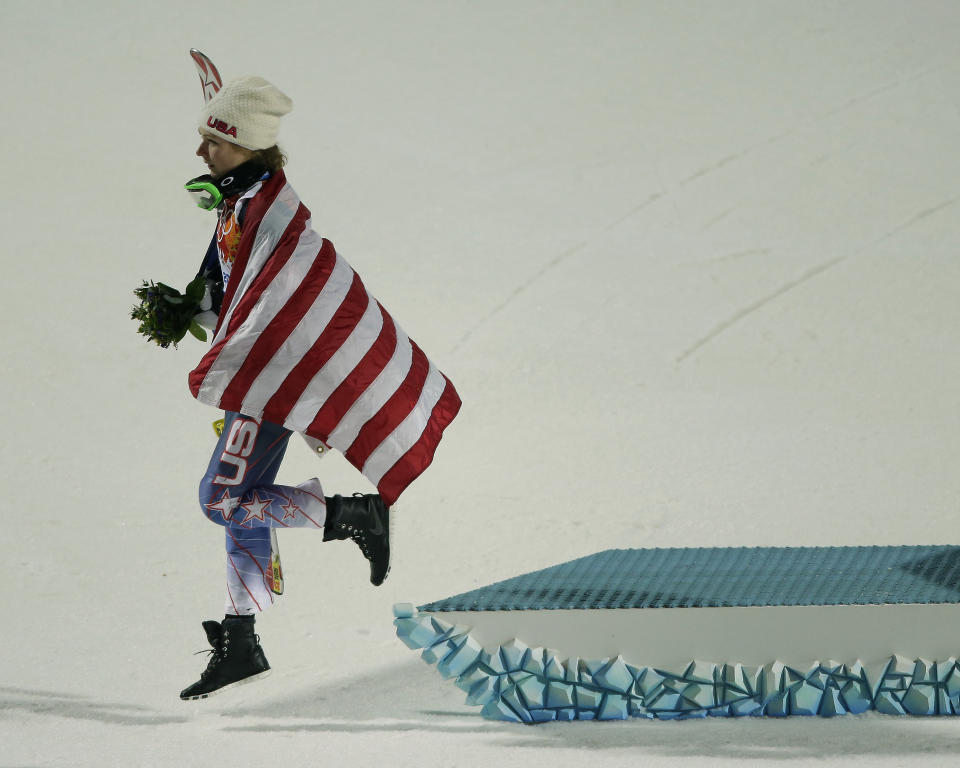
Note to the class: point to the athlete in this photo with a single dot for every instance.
(299, 346)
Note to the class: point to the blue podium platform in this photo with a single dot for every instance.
(681, 633)
(722, 577)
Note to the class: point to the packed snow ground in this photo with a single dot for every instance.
(692, 266)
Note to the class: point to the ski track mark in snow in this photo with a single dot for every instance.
(757, 305)
(735, 256)
(727, 160)
(721, 163)
(517, 291)
(880, 90)
(717, 219)
(550, 265)
(634, 211)
(917, 218)
(815, 119)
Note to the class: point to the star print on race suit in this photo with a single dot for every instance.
(238, 492)
(256, 508)
(225, 505)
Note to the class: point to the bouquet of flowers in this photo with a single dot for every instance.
(166, 315)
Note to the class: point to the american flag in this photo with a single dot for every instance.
(301, 342)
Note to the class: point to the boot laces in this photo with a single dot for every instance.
(216, 656)
(219, 652)
(358, 536)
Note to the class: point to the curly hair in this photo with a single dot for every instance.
(271, 157)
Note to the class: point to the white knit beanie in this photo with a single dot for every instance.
(247, 112)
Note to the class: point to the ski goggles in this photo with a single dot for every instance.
(204, 192)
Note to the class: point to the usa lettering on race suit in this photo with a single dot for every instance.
(240, 443)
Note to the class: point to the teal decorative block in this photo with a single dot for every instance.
(887, 703)
(592, 668)
(668, 701)
(698, 696)
(924, 671)
(953, 685)
(831, 704)
(437, 652)
(493, 662)
(484, 691)
(944, 706)
(559, 695)
(615, 676)
(532, 690)
(471, 677)
(900, 666)
(466, 654)
(778, 705)
(534, 662)
(512, 654)
(443, 630)
(946, 669)
(554, 670)
(614, 708)
(856, 697)
(416, 633)
(805, 699)
(543, 715)
(511, 696)
(498, 709)
(700, 672)
(588, 698)
(743, 708)
(648, 681)
(920, 700)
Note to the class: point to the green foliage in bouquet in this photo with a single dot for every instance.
(166, 315)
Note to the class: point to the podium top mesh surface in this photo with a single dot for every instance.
(727, 577)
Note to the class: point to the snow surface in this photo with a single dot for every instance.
(692, 266)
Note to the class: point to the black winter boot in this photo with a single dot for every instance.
(366, 520)
(236, 658)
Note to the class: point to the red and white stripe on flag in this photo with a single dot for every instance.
(301, 342)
